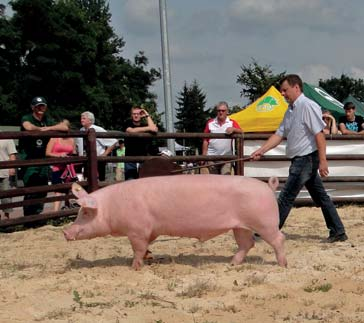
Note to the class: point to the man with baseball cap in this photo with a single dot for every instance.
(34, 148)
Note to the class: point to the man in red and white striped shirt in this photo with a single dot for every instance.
(221, 124)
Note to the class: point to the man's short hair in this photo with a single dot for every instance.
(135, 107)
(89, 115)
(292, 79)
(220, 104)
(349, 105)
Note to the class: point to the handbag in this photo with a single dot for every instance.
(69, 174)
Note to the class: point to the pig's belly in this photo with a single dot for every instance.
(202, 229)
(201, 235)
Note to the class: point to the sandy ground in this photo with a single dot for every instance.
(45, 279)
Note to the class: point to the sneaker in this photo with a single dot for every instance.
(337, 238)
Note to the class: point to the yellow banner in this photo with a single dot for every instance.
(263, 115)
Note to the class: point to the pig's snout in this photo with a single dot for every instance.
(68, 235)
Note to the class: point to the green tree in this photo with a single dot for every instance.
(191, 113)
(136, 90)
(256, 80)
(235, 108)
(9, 66)
(340, 88)
(70, 54)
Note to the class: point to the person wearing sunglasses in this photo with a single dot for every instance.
(212, 147)
(331, 127)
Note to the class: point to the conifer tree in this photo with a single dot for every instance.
(191, 113)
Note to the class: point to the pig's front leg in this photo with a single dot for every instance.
(245, 241)
(140, 248)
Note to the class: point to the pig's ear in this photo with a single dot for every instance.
(84, 199)
(78, 191)
(87, 202)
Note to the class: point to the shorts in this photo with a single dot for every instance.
(56, 179)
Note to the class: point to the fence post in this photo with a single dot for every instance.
(92, 160)
(240, 155)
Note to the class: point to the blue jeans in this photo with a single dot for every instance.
(303, 172)
(131, 171)
(35, 176)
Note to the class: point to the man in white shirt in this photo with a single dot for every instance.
(303, 126)
(211, 147)
(104, 146)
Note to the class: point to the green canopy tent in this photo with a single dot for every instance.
(359, 106)
(324, 100)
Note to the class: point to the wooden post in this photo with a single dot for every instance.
(240, 154)
(92, 160)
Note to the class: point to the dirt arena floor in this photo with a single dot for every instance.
(43, 278)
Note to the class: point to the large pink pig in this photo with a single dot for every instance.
(200, 206)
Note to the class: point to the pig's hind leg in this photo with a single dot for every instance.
(276, 240)
(245, 241)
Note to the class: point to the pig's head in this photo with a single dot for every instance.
(89, 224)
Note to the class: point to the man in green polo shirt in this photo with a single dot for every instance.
(34, 148)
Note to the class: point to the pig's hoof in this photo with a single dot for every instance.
(136, 267)
(137, 264)
(283, 264)
(235, 262)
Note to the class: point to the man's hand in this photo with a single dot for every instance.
(229, 130)
(256, 155)
(324, 168)
(153, 128)
(143, 113)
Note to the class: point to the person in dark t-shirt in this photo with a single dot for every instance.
(140, 122)
(351, 124)
(34, 148)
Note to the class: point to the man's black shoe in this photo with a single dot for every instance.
(256, 237)
(337, 238)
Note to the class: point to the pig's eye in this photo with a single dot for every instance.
(88, 211)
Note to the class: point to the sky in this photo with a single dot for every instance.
(209, 40)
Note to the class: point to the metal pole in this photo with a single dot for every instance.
(166, 73)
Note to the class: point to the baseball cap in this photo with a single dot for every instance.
(38, 100)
